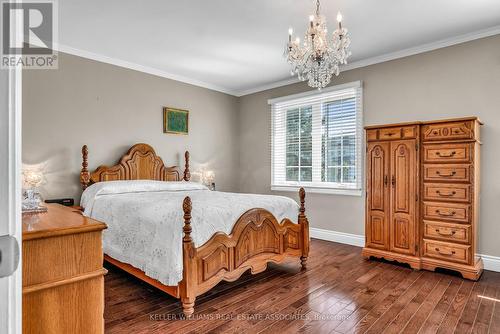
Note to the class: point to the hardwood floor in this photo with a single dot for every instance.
(340, 292)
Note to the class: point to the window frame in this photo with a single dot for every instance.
(315, 186)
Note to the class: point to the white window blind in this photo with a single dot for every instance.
(316, 140)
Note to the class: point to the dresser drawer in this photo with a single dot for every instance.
(448, 131)
(447, 231)
(447, 251)
(453, 212)
(447, 192)
(454, 173)
(453, 153)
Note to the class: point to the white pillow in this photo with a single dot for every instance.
(135, 186)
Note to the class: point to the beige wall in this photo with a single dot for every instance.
(461, 80)
(109, 108)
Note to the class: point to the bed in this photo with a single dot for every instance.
(180, 236)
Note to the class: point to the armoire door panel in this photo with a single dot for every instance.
(401, 177)
(403, 189)
(377, 231)
(378, 163)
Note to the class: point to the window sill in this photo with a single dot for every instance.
(316, 190)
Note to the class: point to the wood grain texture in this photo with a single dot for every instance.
(339, 292)
(428, 221)
(63, 284)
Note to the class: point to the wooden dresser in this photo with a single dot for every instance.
(422, 199)
(63, 274)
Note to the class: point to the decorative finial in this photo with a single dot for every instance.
(302, 196)
(84, 174)
(186, 206)
(187, 174)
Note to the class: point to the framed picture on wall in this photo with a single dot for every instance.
(175, 121)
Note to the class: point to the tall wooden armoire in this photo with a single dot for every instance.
(422, 186)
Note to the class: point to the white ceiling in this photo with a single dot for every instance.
(236, 46)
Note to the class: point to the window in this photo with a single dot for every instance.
(316, 140)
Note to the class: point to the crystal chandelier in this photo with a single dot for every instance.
(319, 57)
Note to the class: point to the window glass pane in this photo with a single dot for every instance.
(306, 136)
(306, 174)
(333, 174)
(292, 138)
(292, 123)
(348, 175)
(334, 152)
(292, 174)
(349, 150)
(292, 154)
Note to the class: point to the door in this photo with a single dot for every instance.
(10, 197)
(403, 196)
(377, 188)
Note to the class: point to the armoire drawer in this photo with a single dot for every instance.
(448, 131)
(443, 153)
(455, 173)
(404, 132)
(447, 192)
(447, 231)
(447, 211)
(447, 251)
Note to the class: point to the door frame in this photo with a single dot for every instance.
(11, 204)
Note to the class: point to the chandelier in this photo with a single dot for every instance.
(319, 57)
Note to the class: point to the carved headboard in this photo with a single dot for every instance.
(139, 163)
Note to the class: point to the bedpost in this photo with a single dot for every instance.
(187, 286)
(187, 174)
(304, 227)
(84, 174)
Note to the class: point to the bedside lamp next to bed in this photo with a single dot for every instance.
(209, 179)
(32, 179)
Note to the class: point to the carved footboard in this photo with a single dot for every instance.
(257, 239)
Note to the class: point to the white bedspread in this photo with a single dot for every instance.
(145, 220)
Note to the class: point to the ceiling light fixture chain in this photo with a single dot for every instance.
(319, 57)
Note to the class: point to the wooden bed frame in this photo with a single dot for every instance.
(256, 239)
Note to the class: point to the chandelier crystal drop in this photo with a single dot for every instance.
(320, 55)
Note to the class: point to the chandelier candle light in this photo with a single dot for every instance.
(319, 57)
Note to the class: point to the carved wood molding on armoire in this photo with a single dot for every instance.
(422, 194)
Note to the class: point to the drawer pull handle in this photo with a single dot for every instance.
(445, 253)
(390, 134)
(446, 155)
(435, 132)
(444, 214)
(446, 234)
(453, 193)
(446, 175)
(385, 180)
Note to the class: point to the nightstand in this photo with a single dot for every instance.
(63, 274)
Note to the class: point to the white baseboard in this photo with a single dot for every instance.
(490, 262)
(341, 237)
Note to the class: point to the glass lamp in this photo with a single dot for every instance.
(209, 179)
(31, 196)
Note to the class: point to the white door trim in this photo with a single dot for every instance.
(15, 189)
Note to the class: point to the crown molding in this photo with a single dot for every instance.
(238, 93)
(141, 68)
(389, 56)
